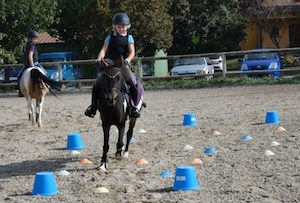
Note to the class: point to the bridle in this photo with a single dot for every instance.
(113, 75)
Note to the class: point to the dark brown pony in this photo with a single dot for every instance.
(35, 85)
(112, 111)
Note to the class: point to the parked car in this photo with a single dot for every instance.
(13, 73)
(69, 71)
(265, 60)
(192, 66)
(1, 74)
(217, 62)
(147, 69)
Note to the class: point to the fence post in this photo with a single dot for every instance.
(140, 67)
(6, 74)
(224, 67)
(59, 65)
(59, 72)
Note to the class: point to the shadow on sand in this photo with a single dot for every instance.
(161, 190)
(257, 123)
(31, 167)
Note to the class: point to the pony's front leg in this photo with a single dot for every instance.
(103, 165)
(120, 144)
(30, 109)
(39, 108)
(129, 135)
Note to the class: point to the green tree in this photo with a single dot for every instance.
(17, 18)
(65, 21)
(182, 27)
(151, 24)
(210, 26)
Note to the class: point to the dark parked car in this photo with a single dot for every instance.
(147, 69)
(13, 73)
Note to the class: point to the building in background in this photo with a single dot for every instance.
(273, 24)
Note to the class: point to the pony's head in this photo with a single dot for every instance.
(112, 81)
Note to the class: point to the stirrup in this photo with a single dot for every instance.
(134, 112)
(90, 112)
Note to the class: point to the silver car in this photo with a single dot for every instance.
(192, 66)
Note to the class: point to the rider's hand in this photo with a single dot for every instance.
(126, 62)
(98, 61)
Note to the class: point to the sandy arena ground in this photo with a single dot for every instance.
(239, 172)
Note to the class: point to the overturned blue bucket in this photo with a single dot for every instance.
(44, 184)
(272, 117)
(185, 179)
(189, 119)
(74, 141)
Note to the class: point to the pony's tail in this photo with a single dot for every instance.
(36, 75)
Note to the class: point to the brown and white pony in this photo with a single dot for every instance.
(34, 84)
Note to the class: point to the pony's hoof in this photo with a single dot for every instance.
(118, 155)
(103, 167)
(125, 154)
(144, 104)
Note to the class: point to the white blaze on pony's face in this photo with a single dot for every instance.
(111, 81)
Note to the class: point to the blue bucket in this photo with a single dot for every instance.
(74, 142)
(272, 117)
(44, 184)
(189, 119)
(185, 179)
(210, 151)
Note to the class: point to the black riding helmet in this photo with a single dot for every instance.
(32, 34)
(121, 19)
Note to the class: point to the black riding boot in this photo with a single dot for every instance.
(19, 90)
(92, 109)
(134, 112)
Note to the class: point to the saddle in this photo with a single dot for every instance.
(128, 102)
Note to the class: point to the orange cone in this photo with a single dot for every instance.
(280, 129)
(196, 161)
(85, 161)
(141, 161)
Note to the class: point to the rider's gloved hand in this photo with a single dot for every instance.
(127, 62)
(98, 61)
